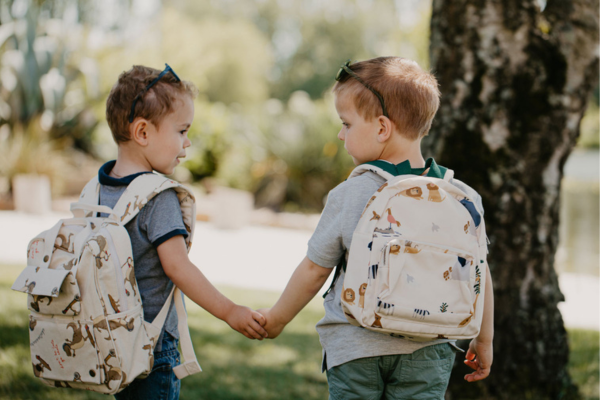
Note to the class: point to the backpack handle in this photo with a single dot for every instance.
(79, 209)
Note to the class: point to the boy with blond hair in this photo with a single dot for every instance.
(386, 106)
(150, 113)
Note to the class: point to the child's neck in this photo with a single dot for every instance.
(130, 162)
(401, 149)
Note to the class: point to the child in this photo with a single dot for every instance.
(386, 106)
(149, 113)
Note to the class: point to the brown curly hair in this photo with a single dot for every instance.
(154, 105)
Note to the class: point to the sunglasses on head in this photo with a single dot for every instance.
(143, 92)
(345, 70)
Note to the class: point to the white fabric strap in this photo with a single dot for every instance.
(361, 169)
(80, 210)
(190, 365)
(448, 175)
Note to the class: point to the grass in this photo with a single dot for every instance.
(234, 367)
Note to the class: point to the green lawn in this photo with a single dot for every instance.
(234, 367)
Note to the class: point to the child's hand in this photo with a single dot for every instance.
(479, 357)
(273, 326)
(247, 322)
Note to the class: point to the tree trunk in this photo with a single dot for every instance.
(515, 83)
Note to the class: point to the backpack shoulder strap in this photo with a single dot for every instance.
(190, 365)
(144, 188)
(377, 167)
(91, 192)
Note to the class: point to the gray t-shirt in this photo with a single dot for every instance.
(341, 341)
(159, 220)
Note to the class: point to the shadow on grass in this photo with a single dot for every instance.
(238, 368)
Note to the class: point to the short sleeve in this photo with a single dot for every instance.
(325, 247)
(162, 218)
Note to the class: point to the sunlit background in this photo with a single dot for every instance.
(265, 124)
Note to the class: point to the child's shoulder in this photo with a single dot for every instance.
(366, 182)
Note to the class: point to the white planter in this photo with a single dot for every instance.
(31, 193)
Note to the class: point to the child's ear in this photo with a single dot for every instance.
(386, 128)
(138, 131)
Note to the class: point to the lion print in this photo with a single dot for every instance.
(361, 293)
(414, 192)
(349, 296)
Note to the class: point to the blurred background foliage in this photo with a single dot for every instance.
(265, 120)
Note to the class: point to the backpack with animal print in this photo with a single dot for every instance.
(417, 264)
(86, 325)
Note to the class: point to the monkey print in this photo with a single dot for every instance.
(395, 249)
(361, 293)
(434, 193)
(63, 243)
(101, 253)
(368, 204)
(78, 339)
(38, 369)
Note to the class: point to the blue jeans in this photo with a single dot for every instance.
(161, 383)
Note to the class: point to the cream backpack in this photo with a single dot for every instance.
(417, 264)
(86, 326)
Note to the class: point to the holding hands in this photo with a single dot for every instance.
(246, 321)
(273, 326)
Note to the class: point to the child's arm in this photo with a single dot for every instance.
(187, 277)
(481, 353)
(304, 284)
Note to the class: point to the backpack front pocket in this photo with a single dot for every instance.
(424, 282)
(64, 349)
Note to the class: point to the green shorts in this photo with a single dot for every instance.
(422, 375)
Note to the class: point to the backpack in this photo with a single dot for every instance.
(416, 268)
(86, 323)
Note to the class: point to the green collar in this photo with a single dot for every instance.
(404, 168)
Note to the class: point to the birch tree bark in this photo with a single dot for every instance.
(515, 81)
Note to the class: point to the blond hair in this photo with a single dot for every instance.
(154, 105)
(410, 94)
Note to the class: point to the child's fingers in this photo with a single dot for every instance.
(258, 329)
(253, 334)
(478, 375)
(472, 364)
(258, 317)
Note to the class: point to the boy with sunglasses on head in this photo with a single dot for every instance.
(149, 113)
(386, 106)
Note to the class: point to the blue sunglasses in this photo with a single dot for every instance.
(143, 92)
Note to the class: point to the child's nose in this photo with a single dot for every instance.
(187, 143)
(341, 134)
